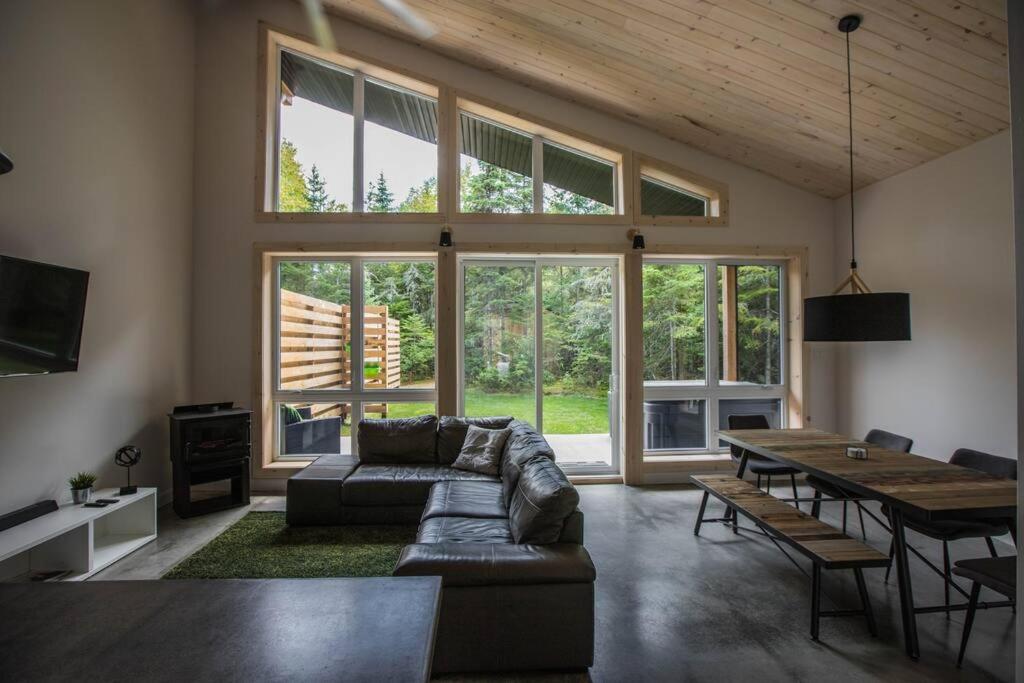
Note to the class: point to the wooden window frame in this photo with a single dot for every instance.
(713, 390)
(716, 193)
(629, 165)
(541, 131)
(271, 41)
(635, 468)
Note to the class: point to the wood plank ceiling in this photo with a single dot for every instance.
(760, 82)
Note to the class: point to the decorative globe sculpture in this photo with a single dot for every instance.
(126, 457)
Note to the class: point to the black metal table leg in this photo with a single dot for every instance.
(865, 601)
(815, 599)
(743, 465)
(700, 514)
(906, 589)
(739, 475)
(968, 622)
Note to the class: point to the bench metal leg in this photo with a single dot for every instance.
(759, 481)
(844, 517)
(865, 602)
(792, 480)
(768, 488)
(972, 606)
(815, 599)
(816, 505)
(700, 514)
(991, 547)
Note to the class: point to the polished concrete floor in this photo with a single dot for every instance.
(719, 607)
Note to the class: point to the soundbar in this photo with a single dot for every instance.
(27, 513)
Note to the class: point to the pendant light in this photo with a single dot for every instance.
(861, 315)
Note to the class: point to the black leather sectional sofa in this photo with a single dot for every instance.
(518, 583)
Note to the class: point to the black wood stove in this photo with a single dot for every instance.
(210, 442)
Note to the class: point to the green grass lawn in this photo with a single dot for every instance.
(563, 413)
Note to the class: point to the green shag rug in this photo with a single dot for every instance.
(262, 546)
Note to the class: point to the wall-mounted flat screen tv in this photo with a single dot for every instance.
(42, 308)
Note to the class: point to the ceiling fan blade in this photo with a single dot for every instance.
(412, 20)
(319, 23)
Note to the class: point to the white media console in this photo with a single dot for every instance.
(83, 540)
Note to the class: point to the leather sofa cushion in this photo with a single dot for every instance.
(479, 499)
(451, 434)
(523, 444)
(407, 440)
(328, 467)
(542, 501)
(375, 485)
(482, 564)
(463, 530)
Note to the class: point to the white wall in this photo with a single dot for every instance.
(97, 111)
(943, 232)
(764, 211)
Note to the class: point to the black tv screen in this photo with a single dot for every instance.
(41, 312)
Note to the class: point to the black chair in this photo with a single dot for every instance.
(878, 437)
(997, 573)
(957, 529)
(756, 463)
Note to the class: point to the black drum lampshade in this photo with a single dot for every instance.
(857, 317)
(862, 315)
(6, 165)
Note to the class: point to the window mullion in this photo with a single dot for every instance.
(711, 348)
(358, 111)
(358, 308)
(538, 349)
(538, 174)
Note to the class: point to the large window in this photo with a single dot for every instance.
(349, 142)
(355, 337)
(539, 341)
(705, 362)
(503, 169)
(345, 140)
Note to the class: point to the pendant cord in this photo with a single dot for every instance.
(849, 93)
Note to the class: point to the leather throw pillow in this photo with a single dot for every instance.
(481, 451)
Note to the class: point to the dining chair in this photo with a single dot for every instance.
(756, 463)
(997, 573)
(948, 530)
(876, 437)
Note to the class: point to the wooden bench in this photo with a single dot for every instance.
(825, 546)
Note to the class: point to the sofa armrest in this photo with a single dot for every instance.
(490, 564)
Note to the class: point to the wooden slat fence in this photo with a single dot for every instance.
(316, 353)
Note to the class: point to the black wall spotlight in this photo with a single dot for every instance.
(6, 165)
(638, 239)
(446, 237)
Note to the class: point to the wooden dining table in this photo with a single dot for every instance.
(908, 484)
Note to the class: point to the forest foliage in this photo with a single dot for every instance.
(499, 300)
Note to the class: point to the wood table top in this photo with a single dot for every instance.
(922, 486)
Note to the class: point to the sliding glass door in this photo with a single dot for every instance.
(539, 341)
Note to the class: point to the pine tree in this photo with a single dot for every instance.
(492, 189)
(380, 199)
(292, 192)
(422, 199)
(316, 194)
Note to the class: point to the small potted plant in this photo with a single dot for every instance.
(81, 487)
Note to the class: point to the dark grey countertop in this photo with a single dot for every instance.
(351, 629)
